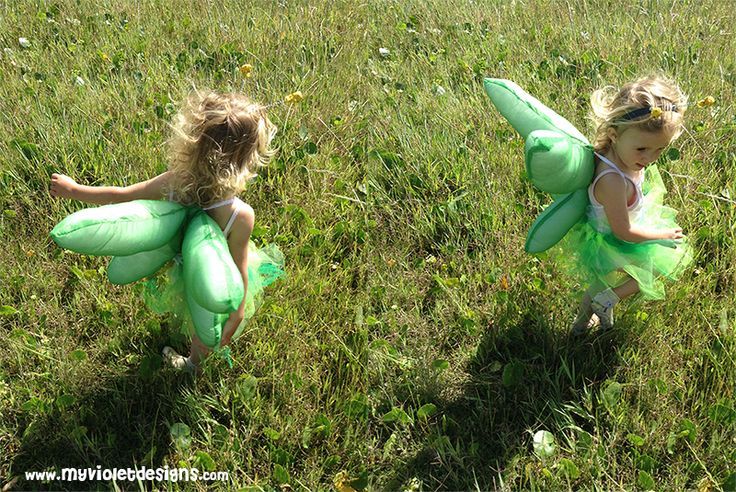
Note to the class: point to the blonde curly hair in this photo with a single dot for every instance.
(654, 103)
(217, 143)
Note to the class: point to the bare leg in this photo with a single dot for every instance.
(198, 351)
(628, 288)
(227, 336)
(232, 325)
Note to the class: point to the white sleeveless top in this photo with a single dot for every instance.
(596, 212)
(231, 220)
(222, 203)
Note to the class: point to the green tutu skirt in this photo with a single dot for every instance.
(597, 257)
(165, 293)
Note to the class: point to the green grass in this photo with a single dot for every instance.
(413, 345)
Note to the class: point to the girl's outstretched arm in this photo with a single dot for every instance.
(611, 193)
(65, 187)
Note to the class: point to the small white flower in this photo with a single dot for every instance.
(439, 90)
(383, 52)
(79, 81)
(24, 43)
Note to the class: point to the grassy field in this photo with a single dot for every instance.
(413, 345)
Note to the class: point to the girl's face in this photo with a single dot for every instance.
(635, 149)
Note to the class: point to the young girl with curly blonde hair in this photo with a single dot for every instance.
(217, 143)
(630, 240)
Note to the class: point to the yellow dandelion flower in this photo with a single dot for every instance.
(294, 97)
(344, 487)
(656, 112)
(246, 70)
(342, 482)
(708, 101)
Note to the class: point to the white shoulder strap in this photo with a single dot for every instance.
(219, 204)
(610, 163)
(605, 172)
(230, 222)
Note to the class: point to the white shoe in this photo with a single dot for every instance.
(178, 362)
(583, 324)
(602, 305)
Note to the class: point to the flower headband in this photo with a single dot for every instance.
(652, 112)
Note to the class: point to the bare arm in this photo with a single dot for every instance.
(65, 187)
(611, 193)
(238, 244)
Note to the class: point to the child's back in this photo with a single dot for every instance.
(218, 141)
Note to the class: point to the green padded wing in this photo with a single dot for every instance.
(557, 164)
(554, 222)
(210, 274)
(526, 113)
(121, 229)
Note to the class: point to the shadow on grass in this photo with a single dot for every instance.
(120, 422)
(521, 378)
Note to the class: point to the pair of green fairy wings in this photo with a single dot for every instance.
(559, 160)
(143, 235)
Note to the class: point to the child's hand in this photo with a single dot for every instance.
(675, 233)
(62, 186)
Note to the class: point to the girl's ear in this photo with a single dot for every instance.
(612, 134)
